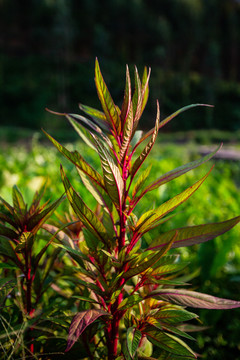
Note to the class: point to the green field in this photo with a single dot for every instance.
(214, 267)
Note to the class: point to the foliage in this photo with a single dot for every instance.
(129, 284)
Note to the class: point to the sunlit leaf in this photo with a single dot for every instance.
(98, 116)
(149, 218)
(130, 301)
(106, 100)
(169, 343)
(173, 174)
(85, 214)
(139, 161)
(111, 173)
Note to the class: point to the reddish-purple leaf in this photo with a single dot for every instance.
(193, 299)
(192, 235)
(79, 323)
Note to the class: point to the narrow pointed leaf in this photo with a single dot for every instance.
(7, 250)
(130, 301)
(145, 87)
(80, 322)
(145, 222)
(149, 263)
(139, 161)
(137, 101)
(111, 174)
(141, 181)
(192, 235)
(176, 113)
(78, 122)
(86, 215)
(169, 343)
(193, 299)
(18, 201)
(173, 174)
(36, 221)
(134, 337)
(5, 231)
(127, 98)
(78, 161)
(106, 100)
(98, 117)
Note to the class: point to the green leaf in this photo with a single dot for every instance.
(134, 337)
(112, 177)
(139, 161)
(106, 100)
(148, 262)
(173, 174)
(130, 301)
(18, 201)
(193, 299)
(126, 117)
(25, 240)
(96, 115)
(78, 122)
(137, 101)
(192, 235)
(5, 231)
(126, 106)
(80, 322)
(89, 219)
(7, 250)
(78, 161)
(174, 316)
(148, 219)
(141, 180)
(36, 220)
(145, 87)
(169, 343)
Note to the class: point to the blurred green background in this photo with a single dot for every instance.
(47, 54)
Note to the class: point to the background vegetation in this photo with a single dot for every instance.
(48, 49)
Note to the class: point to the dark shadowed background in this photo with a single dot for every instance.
(48, 50)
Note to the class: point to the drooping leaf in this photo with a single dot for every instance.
(139, 161)
(192, 235)
(78, 122)
(98, 117)
(173, 174)
(89, 219)
(170, 343)
(134, 337)
(194, 299)
(106, 100)
(148, 219)
(112, 177)
(80, 322)
(176, 113)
